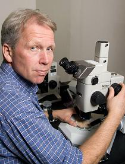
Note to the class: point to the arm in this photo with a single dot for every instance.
(95, 147)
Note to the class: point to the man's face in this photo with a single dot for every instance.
(33, 54)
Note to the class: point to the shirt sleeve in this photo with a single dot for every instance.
(35, 140)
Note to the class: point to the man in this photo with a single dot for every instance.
(26, 136)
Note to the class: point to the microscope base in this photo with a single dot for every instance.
(78, 136)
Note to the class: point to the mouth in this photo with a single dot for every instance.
(42, 73)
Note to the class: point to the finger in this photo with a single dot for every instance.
(122, 84)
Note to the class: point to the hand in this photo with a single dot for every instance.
(116, 105)
(65, 115)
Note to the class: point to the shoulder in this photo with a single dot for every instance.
(12, 101)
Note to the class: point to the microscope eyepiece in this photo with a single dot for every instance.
(63, 62)
(70, 67)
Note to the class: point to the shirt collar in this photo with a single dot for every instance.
(25, 84)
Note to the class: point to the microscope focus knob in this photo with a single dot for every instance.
(117, 88)
(52, 84)
(98, 98)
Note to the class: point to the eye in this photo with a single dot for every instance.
(34, 48)
(50, 48)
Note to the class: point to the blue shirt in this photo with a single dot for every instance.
(26, 136)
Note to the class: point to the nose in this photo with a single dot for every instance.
(44, 58)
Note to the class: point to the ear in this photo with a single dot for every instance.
(7, 53)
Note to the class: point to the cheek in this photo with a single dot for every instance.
(22, 64)
(51, 59)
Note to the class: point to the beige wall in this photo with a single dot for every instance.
(8, 6)
(59, 11)
(81, 23)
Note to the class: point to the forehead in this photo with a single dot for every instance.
(37, 33)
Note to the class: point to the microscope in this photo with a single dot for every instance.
(93, 82)
(49, 88)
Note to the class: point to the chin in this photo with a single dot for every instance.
(39, 81)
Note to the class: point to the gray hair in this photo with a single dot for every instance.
(15, 23)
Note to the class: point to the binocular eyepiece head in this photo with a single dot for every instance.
(70, 67)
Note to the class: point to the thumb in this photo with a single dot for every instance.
(111, 93)
(72, 122)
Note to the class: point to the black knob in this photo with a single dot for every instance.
(98, 98)
(52, 84)
(94, 80)
(117, 88)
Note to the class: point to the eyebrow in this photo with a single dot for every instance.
(39, 43)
